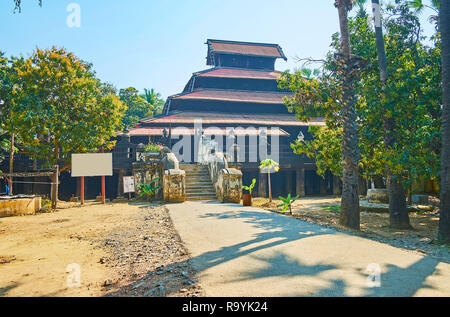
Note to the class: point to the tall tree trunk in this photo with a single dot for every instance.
(270, 189)
(444, 222)
(350, 211)
(11, 163)
(398, 213)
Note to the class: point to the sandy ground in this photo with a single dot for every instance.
(118, 249)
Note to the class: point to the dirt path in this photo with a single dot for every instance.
(121, 250)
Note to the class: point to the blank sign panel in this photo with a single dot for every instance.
(92, 164)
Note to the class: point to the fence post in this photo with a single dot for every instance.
(55, 187)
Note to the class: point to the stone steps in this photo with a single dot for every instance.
(198, 183)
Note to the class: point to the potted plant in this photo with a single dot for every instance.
(247, 197)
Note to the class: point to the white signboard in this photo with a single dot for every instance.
(128, 184)
(92, 164)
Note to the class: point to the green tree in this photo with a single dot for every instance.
(59, 107)
(398, 214)
(8, 133)
(411, 96)
(269, 166)
(154, 98)
(137, 107)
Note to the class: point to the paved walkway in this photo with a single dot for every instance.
(246, 251)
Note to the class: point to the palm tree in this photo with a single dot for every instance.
(350, 211)
(444, 222)
(154, 98)
(443, 25)
(398, 213)
(270, 166)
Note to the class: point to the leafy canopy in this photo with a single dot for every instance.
(59, 107)
(137, 107)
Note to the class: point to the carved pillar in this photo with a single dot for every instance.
(300, 176)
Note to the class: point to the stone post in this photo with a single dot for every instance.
(174, 186)
(231, 183)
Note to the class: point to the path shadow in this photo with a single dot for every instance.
(275, 230)
(404, 282)
(4, 290)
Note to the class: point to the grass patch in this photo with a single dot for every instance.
(333, 208)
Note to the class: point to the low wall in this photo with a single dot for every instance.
(165, 167)
(227, 181)
(19, 206)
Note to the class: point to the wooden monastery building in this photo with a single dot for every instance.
(240, 91)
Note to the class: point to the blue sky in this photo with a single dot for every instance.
(160, 43)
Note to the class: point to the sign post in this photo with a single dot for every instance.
(82, 190)
(128, 185)
(89, 165)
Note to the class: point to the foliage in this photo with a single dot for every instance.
(287, 202)
(250, 187)
(151, 147)
(412, 97)
(154, 98)
(59, 107)
(269, 165)
(148, 190)
(18, 5)
(137, 107)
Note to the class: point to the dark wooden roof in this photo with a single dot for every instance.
(239, 73)
(158, 131)
(234, 96)
(232, 119)
(243, 48)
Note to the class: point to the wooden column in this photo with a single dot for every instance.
(289, 184)
(120, 184)
(300, 177)
(262, 185)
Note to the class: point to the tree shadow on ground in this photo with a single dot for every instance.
(275, 230)
(404, 282)
(4, 290)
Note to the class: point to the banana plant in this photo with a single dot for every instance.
(287, 202)
(250, 187)
(148, 190)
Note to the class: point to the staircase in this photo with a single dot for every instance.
(198, 182)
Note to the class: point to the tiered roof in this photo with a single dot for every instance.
(223, 118)
(239, 73)
(214, 96)
(234, 96)
(243, 48)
